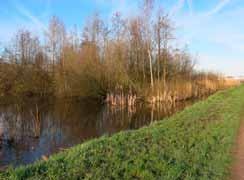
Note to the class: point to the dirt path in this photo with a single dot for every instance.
(238, 166)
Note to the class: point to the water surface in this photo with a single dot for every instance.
(34, 129)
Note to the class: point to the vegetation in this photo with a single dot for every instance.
(121, 60)
(193, 144)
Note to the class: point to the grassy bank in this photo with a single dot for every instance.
(193, 144)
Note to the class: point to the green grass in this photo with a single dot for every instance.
(193, 144)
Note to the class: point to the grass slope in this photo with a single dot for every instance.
(193, 144)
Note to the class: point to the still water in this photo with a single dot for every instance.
(34, 129)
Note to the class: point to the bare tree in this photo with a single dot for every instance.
(147, 15)
(56, 38)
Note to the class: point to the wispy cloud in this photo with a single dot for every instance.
(215, 34)
(218, 7)
(14, 16)
(26, 13)
(190, 5)
(177, 7)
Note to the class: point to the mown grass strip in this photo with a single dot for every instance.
(193, 144)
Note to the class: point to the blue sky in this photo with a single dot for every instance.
(212, 29)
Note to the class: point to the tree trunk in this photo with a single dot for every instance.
(151, 72)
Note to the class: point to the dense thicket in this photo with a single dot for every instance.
(120, 60)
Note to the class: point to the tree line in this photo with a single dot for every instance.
(120, 60)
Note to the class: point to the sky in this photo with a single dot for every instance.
(213, 30)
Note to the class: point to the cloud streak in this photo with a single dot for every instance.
(26, 13)
(190, 5)
(218, 7)
(177, 7)
(218, 42)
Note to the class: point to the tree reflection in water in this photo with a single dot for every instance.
(31, 130)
